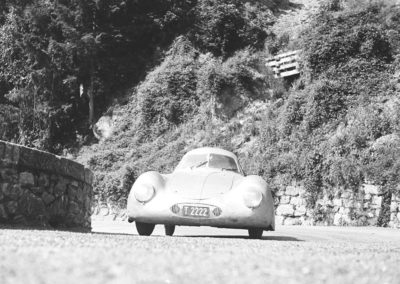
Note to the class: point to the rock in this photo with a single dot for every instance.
(370, 215)
(58, 207)
(87, 203)
(60, 187)
(15, 192)
(3, 213)
(337, 219)
(12, 207)
(285, 199)
(348, 203)
(328, 202)
(298, 201)
(342, 220)
(371, 189)
(344, 211)
(358, 205)
(295, 200)
(346, 194)
(88, 176)
(279, 192)
(292, 221)
(362, 221)
(72, 192)
(302, 191)
(292, 190)
(73, 208)
(9, 175)
(47, 198)
(367, 197)
(337, 202)
(393, 207)
(19, 219)
(6, 189)
(26, 179)
(44, 180)
(285, 210)
(306, 221)
(31, 205)
(377, 200)
(279, 220)
(37, 190)
(300, 211)
(372, 221)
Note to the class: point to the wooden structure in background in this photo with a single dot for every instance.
(285, 64)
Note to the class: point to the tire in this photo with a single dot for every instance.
(169, 230)
(144, 229)
(255, 233)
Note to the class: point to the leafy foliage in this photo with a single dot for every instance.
(190, 100)
(65, 61)
(222, 29)
(325, 131)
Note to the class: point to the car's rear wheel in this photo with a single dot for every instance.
(144, 229)
(169, 229)
(255, 233)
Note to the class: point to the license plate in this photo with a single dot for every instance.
(196, 211)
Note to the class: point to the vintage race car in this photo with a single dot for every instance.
(207, 188)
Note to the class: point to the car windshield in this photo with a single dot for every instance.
(215, 161)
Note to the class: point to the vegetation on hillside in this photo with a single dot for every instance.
(197, 77)
(335, 128)
(339, 125)
(64, 61)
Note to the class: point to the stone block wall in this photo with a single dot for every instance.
(346, 208)
(40, 189)
(395, 212)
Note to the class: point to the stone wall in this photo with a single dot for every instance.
(346, 208)
(40, 189)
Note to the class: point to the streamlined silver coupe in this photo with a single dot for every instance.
(207, 188)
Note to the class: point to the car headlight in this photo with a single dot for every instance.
(143, 193)
(252, 198)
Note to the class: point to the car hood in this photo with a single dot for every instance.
(200, 184)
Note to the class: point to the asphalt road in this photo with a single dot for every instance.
(113, 253)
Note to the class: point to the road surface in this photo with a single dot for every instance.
(114, 253)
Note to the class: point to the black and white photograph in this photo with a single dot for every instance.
(199, 141)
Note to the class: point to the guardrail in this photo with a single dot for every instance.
(284, 64)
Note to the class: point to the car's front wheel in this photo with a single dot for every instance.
(255, 233)
(169, 229)
(144, 229)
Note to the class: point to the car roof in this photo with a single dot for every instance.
(212, 150)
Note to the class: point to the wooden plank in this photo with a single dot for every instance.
(284, 64)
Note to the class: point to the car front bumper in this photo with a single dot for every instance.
(234, 214)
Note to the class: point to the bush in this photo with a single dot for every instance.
(336, 37)
(322, 133)
(222, 28)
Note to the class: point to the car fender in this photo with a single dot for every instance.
(152, 178)
(255, 182)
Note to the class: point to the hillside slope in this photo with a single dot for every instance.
(334, 128)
